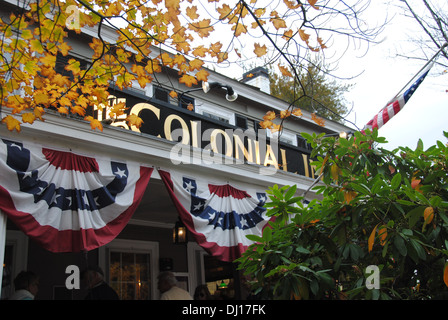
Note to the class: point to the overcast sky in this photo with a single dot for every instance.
(425, 115)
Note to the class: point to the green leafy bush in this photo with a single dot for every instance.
(377, 207)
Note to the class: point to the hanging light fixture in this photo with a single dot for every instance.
(179, 232)
(231, 94)
(207, 86)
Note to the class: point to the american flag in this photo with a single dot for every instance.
(395, 105)
(218, 215)
(65, 201)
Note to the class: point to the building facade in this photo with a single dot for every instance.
(217, 143)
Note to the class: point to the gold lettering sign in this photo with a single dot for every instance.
(191, 134)
(139, 107)
(167, 128)
(213, 138)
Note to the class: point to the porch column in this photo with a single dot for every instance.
(2, 243)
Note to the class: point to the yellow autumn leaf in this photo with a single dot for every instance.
(28, 117)
(285, 114)
(321, 43)
(117, 110)
(36, 46)
(256, 24)
(260, 50)
(335, 171)
(349, 195)
(41, 98)
(31, 67)
(265, 124)
(288, 34)
(222, 56)
(139, 70)
(291, 4)
(26, 34)
(382, 234)
(200, 51)
(275, 128)
(297, 112)
(188, 80)
(239, 29)
(284, 71)
(202, 75)
(78, 110)
(318, 120)
(203, 28)
(11, 123)
(64, 48)
(278, 23)
(371, 239)
(62, 110)
(259, 12)
(445, 274)
(270, 115)
(224, 11)
(195, 64)
(73, 66)
(192, 12)
(173, 4)
(428, 215)
(38, 112)
(94, 123)
(215, 48)
(173, 94)
(190, 107)
(134, 120)
(313, 4)
(48, 60)
(143, 80)
(60, 80)
(303, 35)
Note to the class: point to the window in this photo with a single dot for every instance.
(246, 123)
(130, 275)
(185, 101)
(215, 117)
(215, 113)
(284, 137)
(301, 143)
(241, 121)
(131, 268)
(161, 94)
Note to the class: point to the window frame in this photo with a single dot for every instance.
(133, 246)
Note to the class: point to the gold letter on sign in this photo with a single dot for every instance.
(185, 133)
(139, 107)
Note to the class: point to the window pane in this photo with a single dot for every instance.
(142, 261)
(130, 275)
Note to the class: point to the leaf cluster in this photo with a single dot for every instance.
(145, 37)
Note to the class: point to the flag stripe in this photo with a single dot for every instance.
(227, 191)
(395, 106)
(72, 203)
(70, 161)
(219, 216)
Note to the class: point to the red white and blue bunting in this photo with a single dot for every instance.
(219, 216)
(68, 202)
